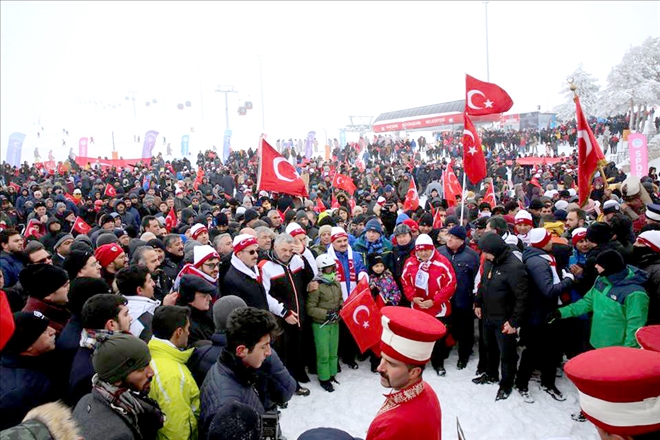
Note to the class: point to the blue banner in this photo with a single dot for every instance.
(15, 148)
(226, 146)
(146, 182)
(149, 144)
(185, 139)
(342, 139)
(309, 144)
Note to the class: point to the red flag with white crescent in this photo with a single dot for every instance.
(277, 174)
(362, 316)
(451, 186)
(344, 182)
(411, 202)
(34, 228)
(81, 226)
(484, 98)
(320, 206)
(333, 202)
(490, 196)
(110, 191)
(590, 156)
(474, 161)
(170, 220)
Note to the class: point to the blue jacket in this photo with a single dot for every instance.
(205, 356)
(11, 265)
(543, 296)
(357, 262)
(229, 381)
(466, 266)
(23, 386)
(80, 379)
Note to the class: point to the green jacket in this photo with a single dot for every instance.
(620, 306)
(327, 296)
(175, 390)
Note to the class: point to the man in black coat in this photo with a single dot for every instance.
(243, 278)
(501, 302)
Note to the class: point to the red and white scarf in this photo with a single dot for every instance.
(341, 275)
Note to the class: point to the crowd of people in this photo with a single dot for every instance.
(172, 300)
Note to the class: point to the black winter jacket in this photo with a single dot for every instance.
(245, 287)
(543, 293)
(466, 267)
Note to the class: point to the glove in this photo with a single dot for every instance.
(567, 274)
(332, 316)
(554, 316)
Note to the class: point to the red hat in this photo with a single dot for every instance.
(424, 242)
(409, 335)
(108, 253)
(337, 232)
(523, 217)
(294, 229)
(197, 229)
(242, 241)
(412, 224)
(578, 235)
(539, 237)
(619, 389)
(649, 337)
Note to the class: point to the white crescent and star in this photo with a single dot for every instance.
(487, 103)
(276, 166)
(365, 324)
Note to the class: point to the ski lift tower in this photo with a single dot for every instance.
(359, 124)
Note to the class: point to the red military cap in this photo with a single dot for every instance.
(619, 389)
(649, 337)
(409, 335)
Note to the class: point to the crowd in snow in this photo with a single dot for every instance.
(172, 300)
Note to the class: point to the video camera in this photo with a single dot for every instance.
(270, 427)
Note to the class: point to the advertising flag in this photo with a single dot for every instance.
(149, 144)
(639, 155)
(14, 149)
(226, 146)
(309, 144)
(185, 145)
(82, 146)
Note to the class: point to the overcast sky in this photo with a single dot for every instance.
(321, 62)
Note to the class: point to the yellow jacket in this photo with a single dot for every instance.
(175, 390)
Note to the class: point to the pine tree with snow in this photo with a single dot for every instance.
(587, 88)
(634, 84)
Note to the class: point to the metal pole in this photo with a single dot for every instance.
(261, 83)
(463, 195)
(487, 55)
(227, 109)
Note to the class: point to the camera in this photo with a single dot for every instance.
(270, 428)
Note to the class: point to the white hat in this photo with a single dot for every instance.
(631, 186)
(551, 193)
(650, 239)
(240, 210)
(578, 234)
(539, 237)
(197, 229)
(424, 242)
(294, 229)
(561, 204)
(242, 241)
(523, 217)
(611, 206)
(203, 253)
(572, 192)
(337, 232)
(381, 200)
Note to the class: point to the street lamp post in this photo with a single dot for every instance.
(226, 90)
(487, 55)
(261, 83)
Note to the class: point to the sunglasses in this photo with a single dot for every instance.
(44, 260)
(252, 252)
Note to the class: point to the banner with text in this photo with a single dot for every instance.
(15, 148)
(149, 143)
(82, 146)
(639, 155)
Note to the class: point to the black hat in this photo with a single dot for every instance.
(29, 326)
(82, 289)
(76, 260)
(481, 222)
(374, 259)
(40, 280)
(451, 219)
(426, 219)
(156, 243)
(221, 219)
(191, 284)
(611, 261)
(536, 204)
(492, 243)
(599, 233)
(325, 434)
(250, 215)
(458, 232)
(235, 421)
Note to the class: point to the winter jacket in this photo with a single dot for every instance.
(141, 309)
(327, 297)
(503, 289)
(175, 390)
(205, 356)
(544, 290)
(385, 286)
(238, 282)
(58, 315)
(650, 263)
(441, 283)
(465, 262)
(230, 381)
(11, 265)
(80, 379)
(51, 421)
(286, 284)
(201, 325)
(23, 386)
(383, 248)
(590, 273)
(620, 306)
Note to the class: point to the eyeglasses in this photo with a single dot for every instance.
(212, 265)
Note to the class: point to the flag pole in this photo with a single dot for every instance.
(463, 195)
(573, 88)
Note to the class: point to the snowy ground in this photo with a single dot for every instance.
(357, 399)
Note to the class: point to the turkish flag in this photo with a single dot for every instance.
(80, 226)
(344, 182)
(7, 325)
(411, 202)
(451, 186)
(34, 228)
(490, 196)
(333, 202)
(474, 161)
(110, 191)
(170, 220)
(16, 187)
(483, 98)
(590, 156)
(535, 182)
(362, 317)
(437, 219)
(320, 206)
(276, 174)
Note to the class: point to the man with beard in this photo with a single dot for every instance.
(118, 406)
(287, 278)
(11, 257)
(646, 253)
(112, 258)
(576, 218)
(412, 410)
(173, 256)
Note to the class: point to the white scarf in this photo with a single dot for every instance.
(242, 268)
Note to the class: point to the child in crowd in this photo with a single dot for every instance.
(382, 282)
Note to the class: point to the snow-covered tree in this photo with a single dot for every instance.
(587, 88)
(634, 84)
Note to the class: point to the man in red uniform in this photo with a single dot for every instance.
(429, 282)
(619, 390)
(412, 410)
